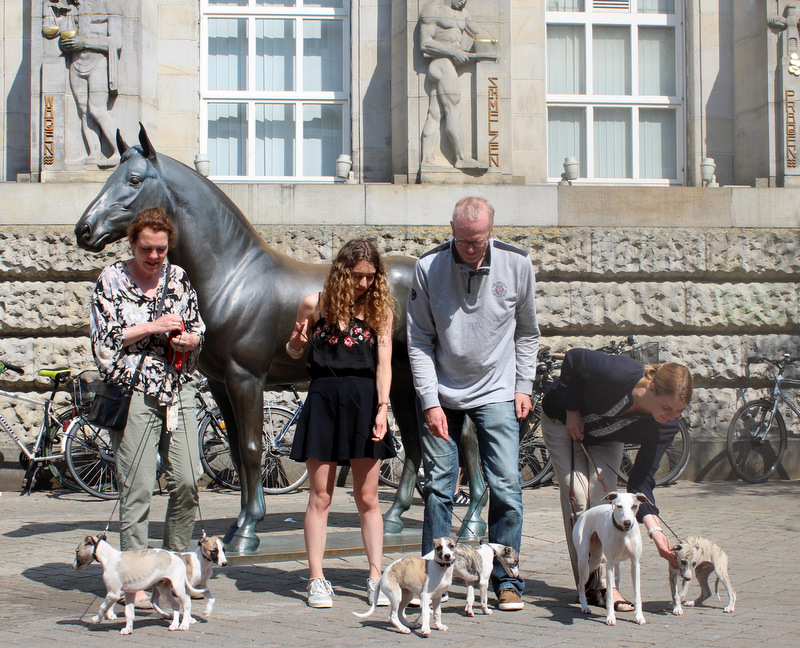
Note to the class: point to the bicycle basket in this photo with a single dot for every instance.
(646, 353)
(84, 388)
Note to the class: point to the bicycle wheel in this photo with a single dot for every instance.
(215, 452)
(755, 444)
(392, 468)
(535, 466)
(91, 460)
(673, 463)
(279, 473)
(55, 446)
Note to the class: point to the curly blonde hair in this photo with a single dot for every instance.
(338, 295)
(671, 379)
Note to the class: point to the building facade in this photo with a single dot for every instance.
(674, 218)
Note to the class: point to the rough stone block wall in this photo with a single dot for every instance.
(710, 297)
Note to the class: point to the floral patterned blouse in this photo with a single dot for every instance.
(336, 353)
(117, 304)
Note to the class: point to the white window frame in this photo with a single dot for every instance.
(633, 20)
(251, 97)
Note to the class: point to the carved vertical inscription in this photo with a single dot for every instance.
(49, 131)
(494, 119)
(791, 131)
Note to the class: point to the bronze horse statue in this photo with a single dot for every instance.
(248, 295)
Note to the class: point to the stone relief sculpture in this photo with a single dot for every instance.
(449, 38)
(90, 36)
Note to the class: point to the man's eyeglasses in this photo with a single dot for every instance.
(474, 244)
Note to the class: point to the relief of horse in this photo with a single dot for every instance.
(248, 295)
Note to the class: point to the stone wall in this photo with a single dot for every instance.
(710, 297)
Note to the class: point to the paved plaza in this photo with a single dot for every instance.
(43, 602)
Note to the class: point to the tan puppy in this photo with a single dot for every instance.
(700, 557)
(127, 572)
(427, 578)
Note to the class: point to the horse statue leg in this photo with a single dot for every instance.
(473, 526)
(246, 394)
(405, 415)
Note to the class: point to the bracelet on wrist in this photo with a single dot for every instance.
(652, 530)
(293, 353)
(382, 404)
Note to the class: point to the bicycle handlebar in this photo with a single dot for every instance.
(786, 358)
(10, 367)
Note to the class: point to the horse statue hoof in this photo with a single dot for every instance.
(474, 529)
(242, 544)
(392, 523)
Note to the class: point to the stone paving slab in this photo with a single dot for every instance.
(44, 602)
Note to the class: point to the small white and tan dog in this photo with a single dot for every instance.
(128, 572)
(427, 578)
(474, 566)
(210, 552)
(610, 532)
(700, 557)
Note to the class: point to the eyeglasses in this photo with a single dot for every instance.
(475, 244)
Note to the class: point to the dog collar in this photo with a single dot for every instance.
(616, 524)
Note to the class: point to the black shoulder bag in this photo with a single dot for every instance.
(112, 402)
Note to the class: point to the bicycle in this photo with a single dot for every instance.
(279, 473)
(676, 458)
(51, 436)
(535, 466)
(757, 439)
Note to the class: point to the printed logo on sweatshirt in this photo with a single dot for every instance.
(499, 289)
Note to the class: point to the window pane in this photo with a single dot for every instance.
(275, 46)
(612, 143)
(335, 4)
(657, 61)
(566, 132)
(565, 5)
(275, 139)
(230, 3)
(322, 139)
(566, 59)
(658, 155)
(227, 54)
(275, 3)
(227, 139)
(657, 6)
(612, 60)
(322, 55)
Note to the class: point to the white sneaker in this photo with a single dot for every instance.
(414, 602)
(372, 587)
(320, 593)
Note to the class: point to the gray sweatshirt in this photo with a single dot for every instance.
(472, 334)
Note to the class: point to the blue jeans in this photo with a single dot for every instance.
(498, 442)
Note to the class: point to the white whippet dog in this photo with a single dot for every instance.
(475, 564)
(700, 557)
(610, 532)
(427, 578)
(128, 572)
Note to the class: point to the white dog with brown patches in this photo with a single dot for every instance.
(610, 532)
(128, 572)
(427, 578)
(475, 565)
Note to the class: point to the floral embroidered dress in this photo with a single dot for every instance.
(118, 303)
(336, 422)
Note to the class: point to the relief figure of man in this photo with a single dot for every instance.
(446, 34)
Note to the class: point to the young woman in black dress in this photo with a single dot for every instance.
(344, 419)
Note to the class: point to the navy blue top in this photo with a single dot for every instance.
(600, 387)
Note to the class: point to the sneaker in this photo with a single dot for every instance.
(461, 498)
(372, 587)
(320, 593)
(414, 602)
(508, 600)
(143, 603)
